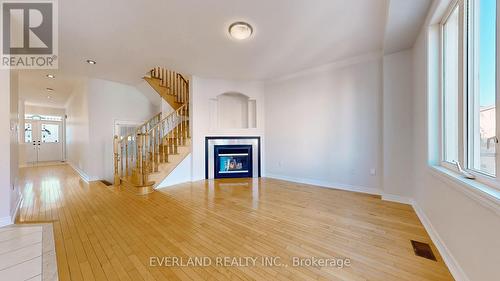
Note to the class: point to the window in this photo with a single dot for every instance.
(482, 86)
(469, 65)
(28, 132)
(50, 133)
(450, 86)
(42, 117)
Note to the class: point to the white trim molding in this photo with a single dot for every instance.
(396, 198)
(324, 184)
(82, 174)
(449, 260)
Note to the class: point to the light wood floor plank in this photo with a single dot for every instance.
(104, 233)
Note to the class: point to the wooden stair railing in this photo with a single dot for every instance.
(139, 154)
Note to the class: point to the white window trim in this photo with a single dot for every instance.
(486, 184)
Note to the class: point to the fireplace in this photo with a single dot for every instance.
(233, 161)
(232, 157)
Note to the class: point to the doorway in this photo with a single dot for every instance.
(43, 140)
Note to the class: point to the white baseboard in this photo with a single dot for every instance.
(11, 219)
(396, 198)
(82, 174)
(360, 189)
(448, 258)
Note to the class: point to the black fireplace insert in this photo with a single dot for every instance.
(233, 161)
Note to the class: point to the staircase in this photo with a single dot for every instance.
(143, 159)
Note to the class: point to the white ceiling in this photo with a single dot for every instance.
(127, 38)
(33, 85)
(404, 20)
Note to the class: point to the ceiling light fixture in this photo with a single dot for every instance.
(48, 97)
(91, 62)
(52, 76)
(50, 89)
(240, 30)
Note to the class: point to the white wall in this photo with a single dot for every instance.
(92, 110)
(324, 126)
(203, 91)
(181, 174)
(9, 183)
(232, 111)
(44, 110)
(77, 130)
(15, 192)
(108, 102)
(397, 125)
(468, 229)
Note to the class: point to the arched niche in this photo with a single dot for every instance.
(233, 110)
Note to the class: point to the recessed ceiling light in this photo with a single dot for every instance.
(91, 62)
(48, 97)
(50, 89)
(240, 30)
(50, 76)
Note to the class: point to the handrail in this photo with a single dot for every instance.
(167, 117)
(139, 128)
(180, 75)
(140, 153)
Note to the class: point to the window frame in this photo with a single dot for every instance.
(464, 90)
(455, 4)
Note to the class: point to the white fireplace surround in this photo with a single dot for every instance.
(211, 142)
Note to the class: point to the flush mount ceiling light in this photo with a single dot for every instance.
(52, 76)
(240, 30)
(91, 61)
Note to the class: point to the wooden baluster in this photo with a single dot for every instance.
(183, 125)
(177, 143)
(169, 134)
(162, 77)
(174, 90)
(139, 156)
(126, 157)
(164, 148)
(177, 87)
(144, 165)
(116, 160)
(186, 128)
(152, 152)
(158, 144)
(183, 92)
(167, 78)
(170, 82)
(122, 159)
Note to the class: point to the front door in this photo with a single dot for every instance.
(44, 141)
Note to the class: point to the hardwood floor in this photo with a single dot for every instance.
(104, 233)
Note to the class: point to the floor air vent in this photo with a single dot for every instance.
(423, 250)
(107, 183)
